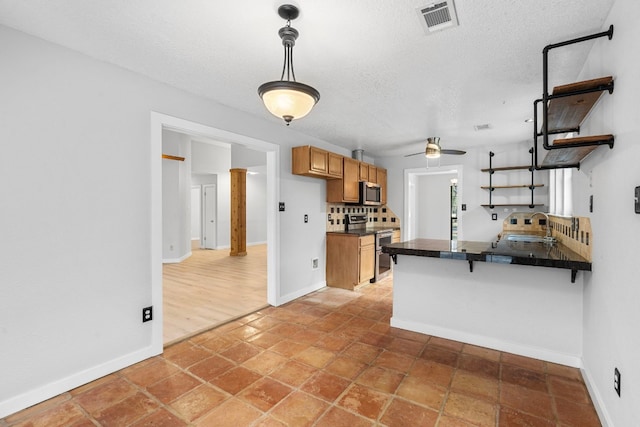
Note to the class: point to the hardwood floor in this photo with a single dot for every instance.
(210, 288)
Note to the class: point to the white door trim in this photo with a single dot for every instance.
(161, 121)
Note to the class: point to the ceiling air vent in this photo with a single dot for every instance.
(438, 16)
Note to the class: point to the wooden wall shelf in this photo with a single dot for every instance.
(170, 157)
(486, 187)
(565, 109)
(506, 168)
(512, 204)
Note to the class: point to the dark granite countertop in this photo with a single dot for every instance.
(503, 252)
(367, 231)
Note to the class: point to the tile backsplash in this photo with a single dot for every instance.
(573, 232)
(378, 216)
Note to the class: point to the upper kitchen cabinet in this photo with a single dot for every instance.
(315, 162)
(373, 173)
(382, 181)
(345, 190)
(342, 173)
(363, 171)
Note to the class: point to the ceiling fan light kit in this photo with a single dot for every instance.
(433, 148)
(288, 99)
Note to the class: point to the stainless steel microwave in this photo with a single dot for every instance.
(370, 194)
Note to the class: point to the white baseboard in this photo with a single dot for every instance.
(32, 397)
(489, 342)
(300, 293)
(596, 398)
(176, 260)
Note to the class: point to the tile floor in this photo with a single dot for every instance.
(327, 359)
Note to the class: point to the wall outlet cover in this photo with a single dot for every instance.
(147, 314)
(494, 216)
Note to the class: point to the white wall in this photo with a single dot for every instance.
(433, 216)
(256, 208)
(612, 318)
(76, 134)
(176, 194)
(196, 212)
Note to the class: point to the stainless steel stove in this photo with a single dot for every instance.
(383, 264)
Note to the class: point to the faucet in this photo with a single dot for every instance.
(548, 224)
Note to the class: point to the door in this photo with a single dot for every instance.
(209, 216)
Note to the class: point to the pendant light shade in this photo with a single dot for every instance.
(433, 148)
(288, 99)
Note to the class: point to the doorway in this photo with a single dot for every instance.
(271, 151)
(431, 208)
(209, 202)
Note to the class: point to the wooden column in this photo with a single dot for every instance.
(238, 212)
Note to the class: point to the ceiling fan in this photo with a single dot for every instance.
(433, 149)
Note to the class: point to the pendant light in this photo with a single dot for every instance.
(288, 99)
(433, 148)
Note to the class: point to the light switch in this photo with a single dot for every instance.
(637, 200)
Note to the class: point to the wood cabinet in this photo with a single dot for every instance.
(315, 162)
(382, 181)
(335, 164)
(364, 171)
(373, 173)
(350, 260)
(345, 190)
(342, 173)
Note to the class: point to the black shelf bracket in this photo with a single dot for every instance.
(470, 266)
(546, 97)
(491, 205)
(394, 257)
(573, 275)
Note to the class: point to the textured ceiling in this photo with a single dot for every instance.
(385, 84)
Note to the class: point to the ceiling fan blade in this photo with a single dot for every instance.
(456, 152)
(415, 154)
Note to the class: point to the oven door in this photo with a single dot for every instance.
(383, 261)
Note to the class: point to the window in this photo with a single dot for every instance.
(560, 198)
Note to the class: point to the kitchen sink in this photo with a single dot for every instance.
(531, 238)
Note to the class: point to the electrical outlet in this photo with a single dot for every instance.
(494, 216)
(306, 218)
(616, 381)
(147, 314)
(281, 206)
(314, 263)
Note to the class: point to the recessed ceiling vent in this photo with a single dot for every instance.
(438, 16)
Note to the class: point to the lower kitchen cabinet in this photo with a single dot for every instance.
(350, 259)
